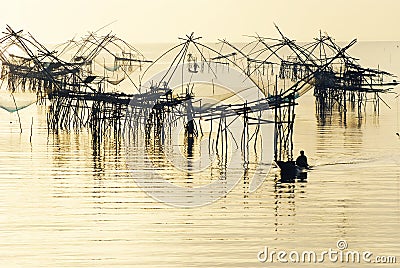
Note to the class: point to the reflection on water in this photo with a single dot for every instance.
(67, 203)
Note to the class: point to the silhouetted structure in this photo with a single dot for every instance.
(80, 79)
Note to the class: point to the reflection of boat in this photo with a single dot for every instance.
(290, 171)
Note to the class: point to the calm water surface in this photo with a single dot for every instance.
(62, 204)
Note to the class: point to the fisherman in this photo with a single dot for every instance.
(301, 161)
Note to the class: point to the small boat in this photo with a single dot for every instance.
(290, 171)
(301, 172)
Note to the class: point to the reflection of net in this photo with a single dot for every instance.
(115, 82)
(119, 66)
(22, 100)
(112, 69)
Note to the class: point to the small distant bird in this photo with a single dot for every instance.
(397, 133)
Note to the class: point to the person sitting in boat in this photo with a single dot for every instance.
(301, 161)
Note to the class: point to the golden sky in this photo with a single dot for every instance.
(54, 21)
